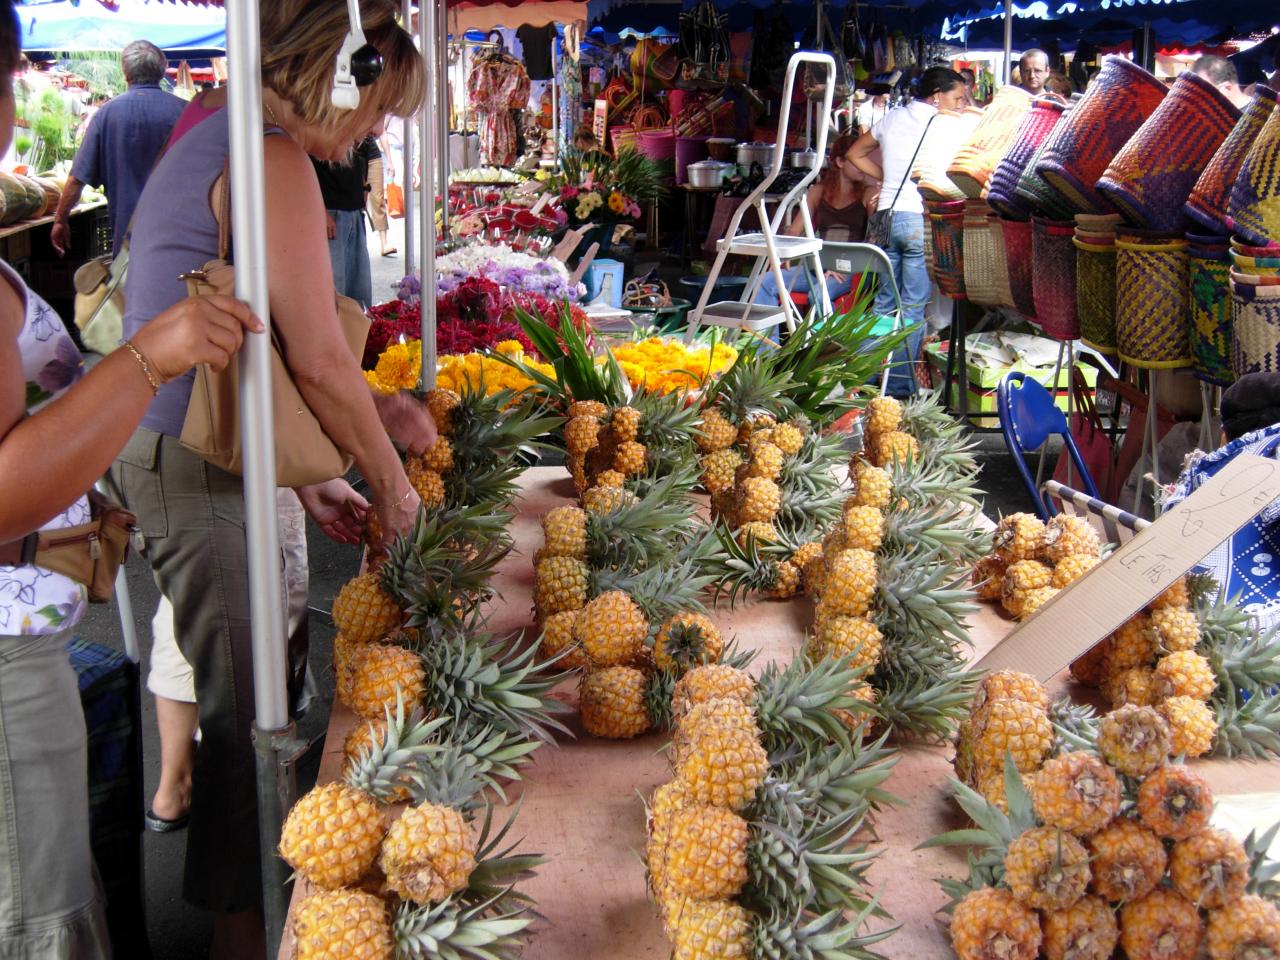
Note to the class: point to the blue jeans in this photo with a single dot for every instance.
(349, 254)
(906, 255)
(798, 280)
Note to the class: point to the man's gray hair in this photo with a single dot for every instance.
(143, 62)
(1217, 70)
(1033, 52)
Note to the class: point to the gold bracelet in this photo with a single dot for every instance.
(407, 494)
(146, 368)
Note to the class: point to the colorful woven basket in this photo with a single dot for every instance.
(1000, 269)
(1255, 197)
(1017, 254)
(980, 275)
(1034, 191)
(1002, 188)
(1152, 299)
(946, 223)
(1210, 329)
(1255, 329)
(945, 135)
(1151, 177)
(1078, 151)
(977, 157)
(928, 253)
(1053, 279)
(1207, 205)
(1096, 294)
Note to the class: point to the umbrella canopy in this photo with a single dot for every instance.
(174, 28)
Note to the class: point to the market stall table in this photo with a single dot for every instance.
(581, 801)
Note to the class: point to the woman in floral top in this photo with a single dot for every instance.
(59, 430)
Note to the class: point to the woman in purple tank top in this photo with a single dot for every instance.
(192, 513)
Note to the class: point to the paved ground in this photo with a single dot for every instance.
(179, 932)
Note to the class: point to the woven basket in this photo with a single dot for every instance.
(980, 272)
(946, 223)
(946, 133)
(1017, 253)
(928, 253)
(1078, 151)
(1152, 300)
(1210, 328)
(1207, 205)
(1034, 192)
(977, 157)
(1150, 179)
(1096, 294)
(624, 138)
(1255, 329)
(1002, 188)
(1255, 197)
(1000, 269)
(1053, 279)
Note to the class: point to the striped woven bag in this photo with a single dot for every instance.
(1255, 197)
(1207, 204)
(1152, 299)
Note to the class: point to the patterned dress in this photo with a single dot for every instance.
(34, 601)
(498, 84)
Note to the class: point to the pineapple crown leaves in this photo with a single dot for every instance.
(490, 426)
(797, 704)
(577, 374)
(1075, 726)
(912, 598)
(747, 567)
(751, 386)
(1247, 726)
(384, 766)
(825, 783)
(923, 705)
(493, 681)
(496, 755)
(457, 930)
(498, 868)
(950, 530)
(659, 590)
(1243, 657)
(666, 422)
(928, 484)
(1264, 873)
(637, 534)
(830, 936)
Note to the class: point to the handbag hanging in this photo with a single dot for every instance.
(99, 301)
(880, 226)
(305, 454)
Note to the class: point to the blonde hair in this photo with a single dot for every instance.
(300, 43)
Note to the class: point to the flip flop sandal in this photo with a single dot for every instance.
(158, 824)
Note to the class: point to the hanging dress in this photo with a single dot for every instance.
(498, 84)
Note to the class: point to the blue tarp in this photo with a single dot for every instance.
(173, 27)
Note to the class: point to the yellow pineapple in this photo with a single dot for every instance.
(895, 448)
(379, 674)
(788, 438)
(1022, 577)
(1090, 667)
(581, 435)
(872, 486)
(610, 478)
(625, 422)
(804, 553)
(1175, 628)
(557, 638)
(1210, 868)
(1066, 536)
(628, 459)
(711, 930)
(1070, 569)
(715, 432)
(756, 423)
(604, 499)
(854, 637)
(718, 470)
(440, 456)
(863, 527)
(729, 712)
(1015, 727)
(442, 405)
(342, 925)
(1036, 599)
(612, 703)
(1134, 739)
(706, 852)
(1160, 926)
(850, 583)
(1132, 645)
(332, 835)
(611, 629)
(667, 799)
(723, 766)
(884, 415)
(686, 640)
(988, 577)
(362, 610)
(1086, 930)
(1076, 792)
(1135, 686)
(989, 924)
(814, 574)
(1175, 802)
(715, 681)
(759, 530)
(786, 582)
(1192, 725)
(1174, 595)
(1127, 860)
(587, 408)
(757, 498)
(1246, 929)
(559, 584)
(564, 531)
(428, 853)
(1184, 674)
(428, 483)
(1011, 685)
(1018, 536)
(766, 461)
(1047, 868)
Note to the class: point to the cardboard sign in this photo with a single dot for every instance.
(1138, 572)
(600, 121)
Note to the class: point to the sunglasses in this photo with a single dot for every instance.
(366, 65)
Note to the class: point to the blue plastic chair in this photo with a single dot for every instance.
(1029, 418)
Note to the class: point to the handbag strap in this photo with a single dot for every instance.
(912, 162)
(223, 213)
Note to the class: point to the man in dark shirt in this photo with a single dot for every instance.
(343, 187)
(122, 143)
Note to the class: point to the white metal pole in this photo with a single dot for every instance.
(442, 112)
(407, 159)
(1008, 41)
(266, 600)
(429, 132)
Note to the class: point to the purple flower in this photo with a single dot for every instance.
(409, 289)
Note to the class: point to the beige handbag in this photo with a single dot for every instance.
(305, 454)
(99, 302)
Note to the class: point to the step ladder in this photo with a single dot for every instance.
(768, 248)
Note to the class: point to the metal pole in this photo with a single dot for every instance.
(406, 159)
(442, 112)
(427, 44)
(1008, 41)
(266, 600)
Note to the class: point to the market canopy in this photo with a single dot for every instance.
(173, 27)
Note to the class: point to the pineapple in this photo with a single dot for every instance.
(587, 408)
(1046, 868)
(611, 629)
(804, 553)
(1036, 599)
(787, 581)
(1087, 930)
(557, 637)
(1176, 629)
(850, 583)
(601, 500)
(988, 577)
(380, 673)
(766, 461)
(1018, 537)
(442, 404)
(788, 438)
(863, 528)
(1021, 577)
(856, 638)
(1175, 595)
(1209, 868)
(1132, 645)
(1135, 686)
(1011, 685)
(706, 853)
(560, 584)
(581, 436)
(1160, 926)
(1076, 792)
(612, 703)
(1090, 667)
(629, 458)
(723, 766)
(1014, 727)
(758, 530)
(1134, 739)
(1184, 674)
(716, 681)
(610, 478)
(667, 799)
(564, 531)
(342, 925)
(895, 449)
(1248, 929)
(428, 484)
(715, 432)
(440, 457)
(814, 574)
(757, 498)
(1175, 802)
(1066, 536)
(718, 470)
(428, 854)
(989, 924)
(362, 610)
(625, 422)
(992, 786)
(1192, 726)
(1070, 569)
(884, 415)
(1127, 859)
(713, 713)
(687, 640)
(872, 486)
(711, 930)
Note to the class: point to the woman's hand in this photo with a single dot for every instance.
(407, 422)
(397, 516)
(195, 330)
(336, 508)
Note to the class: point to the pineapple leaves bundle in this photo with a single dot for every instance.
(577, 374)
(456, 930)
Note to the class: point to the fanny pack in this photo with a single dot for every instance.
(89, 553)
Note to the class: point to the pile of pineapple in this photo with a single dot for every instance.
(1030, 561)
(883, 439)
(1099, 850)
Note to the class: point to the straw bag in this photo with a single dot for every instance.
(1000, 268)
(1033, 193)
(946, 223)
(980, 256)
(1152, 300)
(1017, 253)
(1254, 208)
(938, 149)
(1152, 176)
(1210, 330)
(1053, 278)
(1096, 293)
(1207, 205)
(1255, 329)
(99, 302)
(1002, 188)
(646, 294)
(304, 452)
(978, 156)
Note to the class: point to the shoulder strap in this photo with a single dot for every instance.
(912, 162)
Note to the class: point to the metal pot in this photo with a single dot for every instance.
(749, 153)
(805, 159)
(708, 174)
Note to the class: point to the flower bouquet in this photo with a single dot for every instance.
(594, 188)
